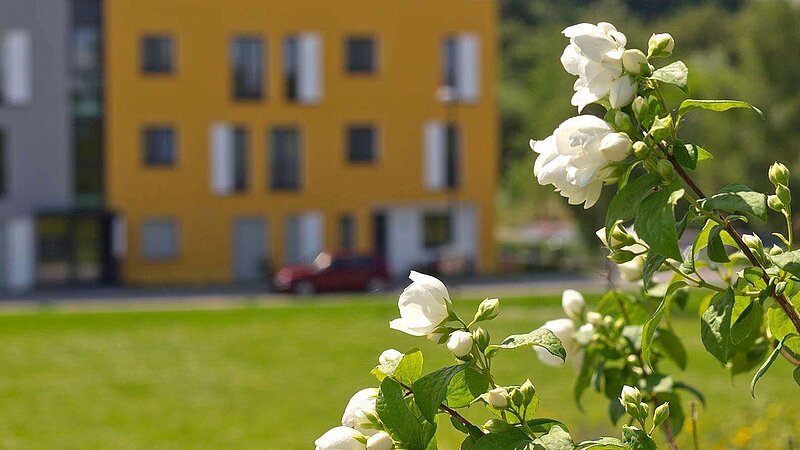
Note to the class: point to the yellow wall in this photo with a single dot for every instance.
(400, 99)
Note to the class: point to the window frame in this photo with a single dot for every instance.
(242, 185)
(5, 165)
(237, 94)
(176, 242)
(375, 55)
(375, 150)
(154, 128)
(348, 241)
(448, 238)
(299, 183)
(171, 68)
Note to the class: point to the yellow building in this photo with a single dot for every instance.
(245, 132)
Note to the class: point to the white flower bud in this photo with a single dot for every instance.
(389, 356)
(460, 343)
(630, 394)
(340, 438)
(572, 302)
(488, 309)
(528, 391)
(635, 62)
(639, 104)
(380, 441)
(661, 414)
(359, 408)
(424, 305)
(615, 146)
(594, 317)
(498, 398)
(660, 45)
(779, 174)
(753, 242)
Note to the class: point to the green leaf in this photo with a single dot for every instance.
(606, 443)
(715, 325)
(789, 261)
(431, 390)
(749, 319)
(544, 425)
(739, 198)
(541, 337)
(637, 439)
(771, 359)
(655, 222)
(670, 344)
(652, 264)
(397, 418)
(649, 329)
(686, 154)
(796, 375)
(626, 201)
(780, 325)
(703, 154)
(555, 439)
(714, 105)
(465, 387)
(716, 249)
(692, 390)
(675, 74)
(510, 439)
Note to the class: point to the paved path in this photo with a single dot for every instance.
(119, 298)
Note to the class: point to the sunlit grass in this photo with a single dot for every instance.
(278, 377)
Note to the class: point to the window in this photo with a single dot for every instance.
(347, 232)
(361, 58)
(247, 60)
(159, 239)
(157, 54)
(449, 61)
(159, 146)
(452, 146)
(286, 158)
(437, 230)
(460, 68)
(291, 67)
(240, 169)
(362, 142)
(302, 68)
(3, 165)
(16, 66)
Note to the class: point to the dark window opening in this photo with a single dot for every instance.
(453, 144)
(158, 54)
(449, 61)
(240, 166)
(347, 232)
(286, 158)
(362, 143)
(3, 165)
(291, 67)
(437, 230)
(159, 146)
(247, 59)
(361, 57)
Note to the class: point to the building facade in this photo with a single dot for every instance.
(50, 232)
(245, 134)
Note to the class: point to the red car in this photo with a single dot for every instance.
(334, 272)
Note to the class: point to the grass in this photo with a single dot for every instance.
(278, 377)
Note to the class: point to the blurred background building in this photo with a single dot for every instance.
(208, 141)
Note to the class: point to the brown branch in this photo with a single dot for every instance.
(444, 408)
(780, 298)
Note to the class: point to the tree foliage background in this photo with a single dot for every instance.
(750, 48)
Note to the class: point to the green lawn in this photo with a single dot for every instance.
(278, 377)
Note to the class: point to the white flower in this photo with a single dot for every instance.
(575, 159)
(423, 305)
(498, 398)
(389, 356)
(340, 438)
(594, 55)
(572, 302)
(380, 441)
(594, 317)
(564, 329)
(660, 45)
(358, 408)
(635, 61)
(460, 343)
(630, 394)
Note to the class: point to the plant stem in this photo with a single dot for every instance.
(781, 299)
(695, 438)
(699, 282)
(670, 437)
(452, 412)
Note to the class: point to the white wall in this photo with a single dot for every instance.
(405, 245)
(21, 253)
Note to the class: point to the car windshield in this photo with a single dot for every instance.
(322, 262)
